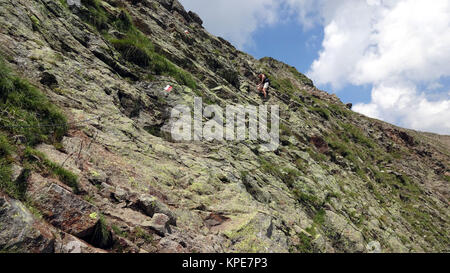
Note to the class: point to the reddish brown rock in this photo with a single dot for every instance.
(215, 219)
(61, 208)
(320, 144)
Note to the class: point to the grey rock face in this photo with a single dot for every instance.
(373, 247)
(74, 3)
(19, 231)
(159, 223)
(337, 181)
(151, 205)
(195, 17)
(62, 208)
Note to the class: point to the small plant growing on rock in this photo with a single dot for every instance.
(95, 14)
(323, 112)
(307, 199)
(305, 245)
(135, 47)
(142, 234)
(102, 236)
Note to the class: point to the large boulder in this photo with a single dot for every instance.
(178, 7)
(373, 247)
(194, 16)
(151, 205)
(61, 208)
(159, 223)
(348, 238)
(19, 231)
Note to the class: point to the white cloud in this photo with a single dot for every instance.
(403, 105)
(306, 11)
(235, 20)
(395, 46)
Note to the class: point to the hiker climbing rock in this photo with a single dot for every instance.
(263, 84)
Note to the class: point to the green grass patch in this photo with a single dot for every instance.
(142, 234)
(134, 47)
(339, 110)
(306, 198)
(340, 147)
(289, 176)
(396, 154)
(357, 135)
(270, 168)
(376, 193)
(323, 112)
(6, 184)
(6, 148)
(43, 164)
(124, 22)
(95, 14)
(400, 185)
(305, 245)
(64, 3)
(301, 165)
(285, 129)
(27, 112)
(283, 85)
(119, 232)
(29, 115)
(137, 49)
(16, 189)
(319, 218)
(286, 174)
(425, 224)
(318, 157)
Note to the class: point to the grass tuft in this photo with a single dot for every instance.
(95, 15)
(137, 49)
(357, 135)
(287, 175)
(102, 236)
(39, 160)
(323, 112)
(26, 112)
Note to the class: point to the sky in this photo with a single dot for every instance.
(390, 58)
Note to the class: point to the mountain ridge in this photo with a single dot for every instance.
(339, 181)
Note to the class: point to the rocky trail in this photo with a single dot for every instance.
(91, 167)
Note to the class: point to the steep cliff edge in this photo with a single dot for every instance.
(94, 170)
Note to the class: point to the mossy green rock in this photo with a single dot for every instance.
(365, 181)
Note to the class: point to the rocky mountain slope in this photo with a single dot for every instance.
(86, 164)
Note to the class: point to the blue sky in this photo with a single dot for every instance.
(390, 58)
(291, 44)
